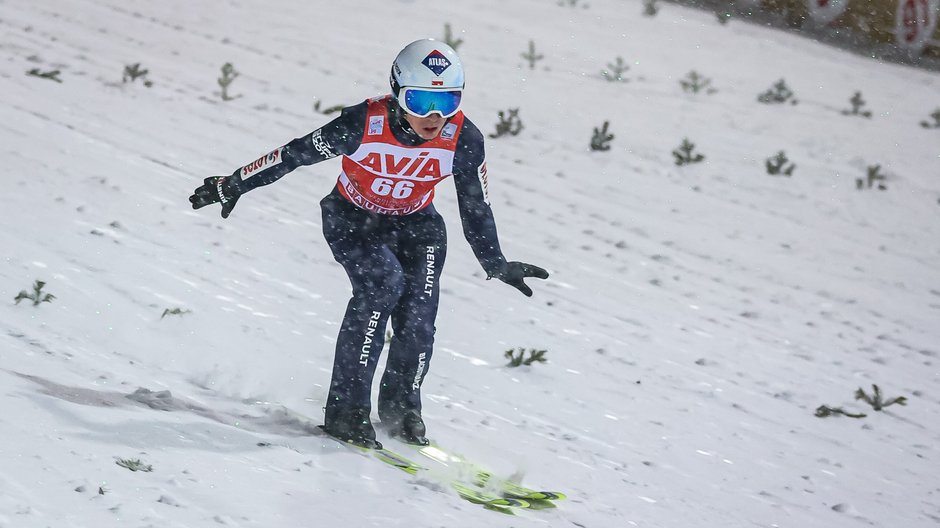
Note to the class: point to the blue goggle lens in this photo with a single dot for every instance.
(423, 103)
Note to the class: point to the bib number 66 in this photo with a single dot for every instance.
(398, 190)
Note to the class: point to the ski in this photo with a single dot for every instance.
(508, 488)
(537, 499)
(481, 497)
(511, 495)
(466, 492)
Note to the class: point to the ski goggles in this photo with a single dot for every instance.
(422, 103)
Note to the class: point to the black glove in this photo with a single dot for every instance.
(217, 189)
(512, 274)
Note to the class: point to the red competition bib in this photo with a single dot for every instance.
(389, 178)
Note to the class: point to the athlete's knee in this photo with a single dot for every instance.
(383, 284)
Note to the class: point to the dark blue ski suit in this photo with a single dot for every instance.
(394, 262)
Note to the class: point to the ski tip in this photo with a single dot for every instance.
(541, 504)
(521, 492)
(480, 497)
(548, 495)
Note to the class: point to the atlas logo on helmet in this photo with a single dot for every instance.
(436, 62)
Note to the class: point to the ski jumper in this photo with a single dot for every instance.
(382, 227)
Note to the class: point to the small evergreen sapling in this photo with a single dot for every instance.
(824, 411)
(695, 83)
(875, 399)
(777, 165)
(52, 75)
(602, 138)
(228, 76)
(779, 93)
(133, 71)
(174, 311)
(615, 71)
(936, 120)
(518, 357)
(683, 154)
(37, 296)
(511, 125)
(532, 56)
(874, 176)
(857, 103)
(650, 8)
(328, 110)
(449, 38)
(134, 465)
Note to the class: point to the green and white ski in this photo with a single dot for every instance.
(502, 504)
(483, 488)
(538, 499)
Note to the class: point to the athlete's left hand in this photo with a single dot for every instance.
(513, 274)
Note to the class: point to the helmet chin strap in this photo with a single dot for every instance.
(399, 116)
(406, 126)
(391, 80)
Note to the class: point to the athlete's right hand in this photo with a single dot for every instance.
(216, 189)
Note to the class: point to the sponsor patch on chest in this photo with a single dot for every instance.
(449, 131)
(376, 124)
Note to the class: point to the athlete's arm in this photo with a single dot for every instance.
(479, 226)
(340, 136)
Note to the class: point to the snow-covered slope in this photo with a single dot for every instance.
(695, 318)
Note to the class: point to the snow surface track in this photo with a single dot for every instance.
(694, 320)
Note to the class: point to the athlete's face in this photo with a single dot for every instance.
(426, 127)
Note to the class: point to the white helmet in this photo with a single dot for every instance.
(427, 64)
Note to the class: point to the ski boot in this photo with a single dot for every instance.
(409, 428)
(353, 426)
